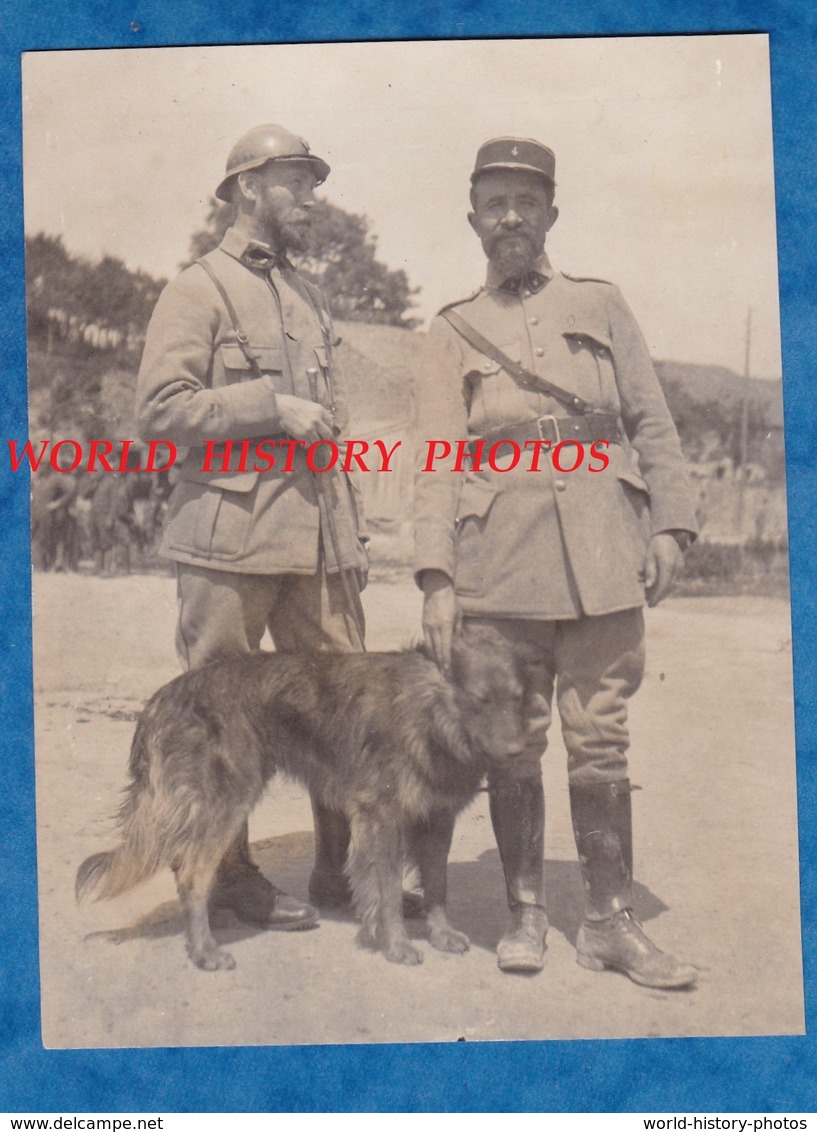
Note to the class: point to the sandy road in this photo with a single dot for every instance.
(716, 855)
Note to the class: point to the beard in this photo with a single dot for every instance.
(294, 237)
(286, 235)
(512, 254)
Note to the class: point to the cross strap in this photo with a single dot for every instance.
(523, 377)
(315, 299)
(243, 340)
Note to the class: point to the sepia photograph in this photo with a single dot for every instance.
(411, 623)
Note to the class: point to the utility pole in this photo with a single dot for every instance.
(744, 428)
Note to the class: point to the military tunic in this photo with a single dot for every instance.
(252, 548)
(554, 559)
(196, 385)
(546, 545)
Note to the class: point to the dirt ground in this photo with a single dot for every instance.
(716, 855)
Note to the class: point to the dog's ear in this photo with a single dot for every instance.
(446, 724)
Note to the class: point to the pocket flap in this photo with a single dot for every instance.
(585, 336)
(633, 479)
(487, 366)
(228, 481)
(476, 499)
(268, 357)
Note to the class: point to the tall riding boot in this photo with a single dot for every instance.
(241, 887)
(518, 818)
(611, 936)
(328, 885)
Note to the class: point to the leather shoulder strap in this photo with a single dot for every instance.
(316, 299)
(243, 340)
(523, 377)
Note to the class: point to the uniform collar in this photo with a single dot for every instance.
(534, 280)
(252, 253)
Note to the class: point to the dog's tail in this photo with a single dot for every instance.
(142, 851)
(107, 874)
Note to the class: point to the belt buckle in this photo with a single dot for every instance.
(557, 436)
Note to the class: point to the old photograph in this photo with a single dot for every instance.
(447, 375)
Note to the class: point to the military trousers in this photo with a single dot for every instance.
(592, 665)
(224, 614)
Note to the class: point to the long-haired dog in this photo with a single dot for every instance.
(385, 738)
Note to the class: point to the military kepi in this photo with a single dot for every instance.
(522, 154)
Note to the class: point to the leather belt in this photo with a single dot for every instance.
(584, 429)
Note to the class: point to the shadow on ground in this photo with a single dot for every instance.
(476, 898)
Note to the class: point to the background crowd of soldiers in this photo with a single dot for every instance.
(109, 522)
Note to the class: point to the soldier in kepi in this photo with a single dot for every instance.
(559, 562)
(239, 348)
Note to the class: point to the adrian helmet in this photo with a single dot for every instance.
(263, 144)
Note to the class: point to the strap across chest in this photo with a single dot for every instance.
(524, 378)
(243, 338)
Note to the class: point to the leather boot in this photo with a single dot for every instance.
(328, 885)
(242, 888)
(611, 935)
(518, 818)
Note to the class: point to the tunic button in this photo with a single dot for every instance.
(560, 485)
(539, 351)
(533, 320)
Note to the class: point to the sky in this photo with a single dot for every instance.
(663, 161)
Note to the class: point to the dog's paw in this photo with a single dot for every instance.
(216, 959)
(403, 953)
(449, 939)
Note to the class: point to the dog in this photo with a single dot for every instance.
(385, 738)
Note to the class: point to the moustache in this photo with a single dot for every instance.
(506, 237)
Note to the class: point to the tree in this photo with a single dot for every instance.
(96, 305)
(52, 282)
(342, 260)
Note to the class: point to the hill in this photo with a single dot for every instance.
(378, 365)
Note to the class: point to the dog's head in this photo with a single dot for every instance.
(488, 675)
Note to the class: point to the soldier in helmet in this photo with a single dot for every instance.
(559, 562)
(240, 348)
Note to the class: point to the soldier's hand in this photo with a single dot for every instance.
(440, 616)
(303, 420)
(665, 560)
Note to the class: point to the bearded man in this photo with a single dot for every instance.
(560, 561)
(240, 348)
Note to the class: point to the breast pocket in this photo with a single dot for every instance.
(496, 398)
(237, 365)
(591, 354)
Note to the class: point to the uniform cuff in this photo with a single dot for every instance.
(434, 551)
(254, 407)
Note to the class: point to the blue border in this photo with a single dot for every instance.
(711, 1075)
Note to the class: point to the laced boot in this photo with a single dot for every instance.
(518, 818)
(611, 935)
(242, 888)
